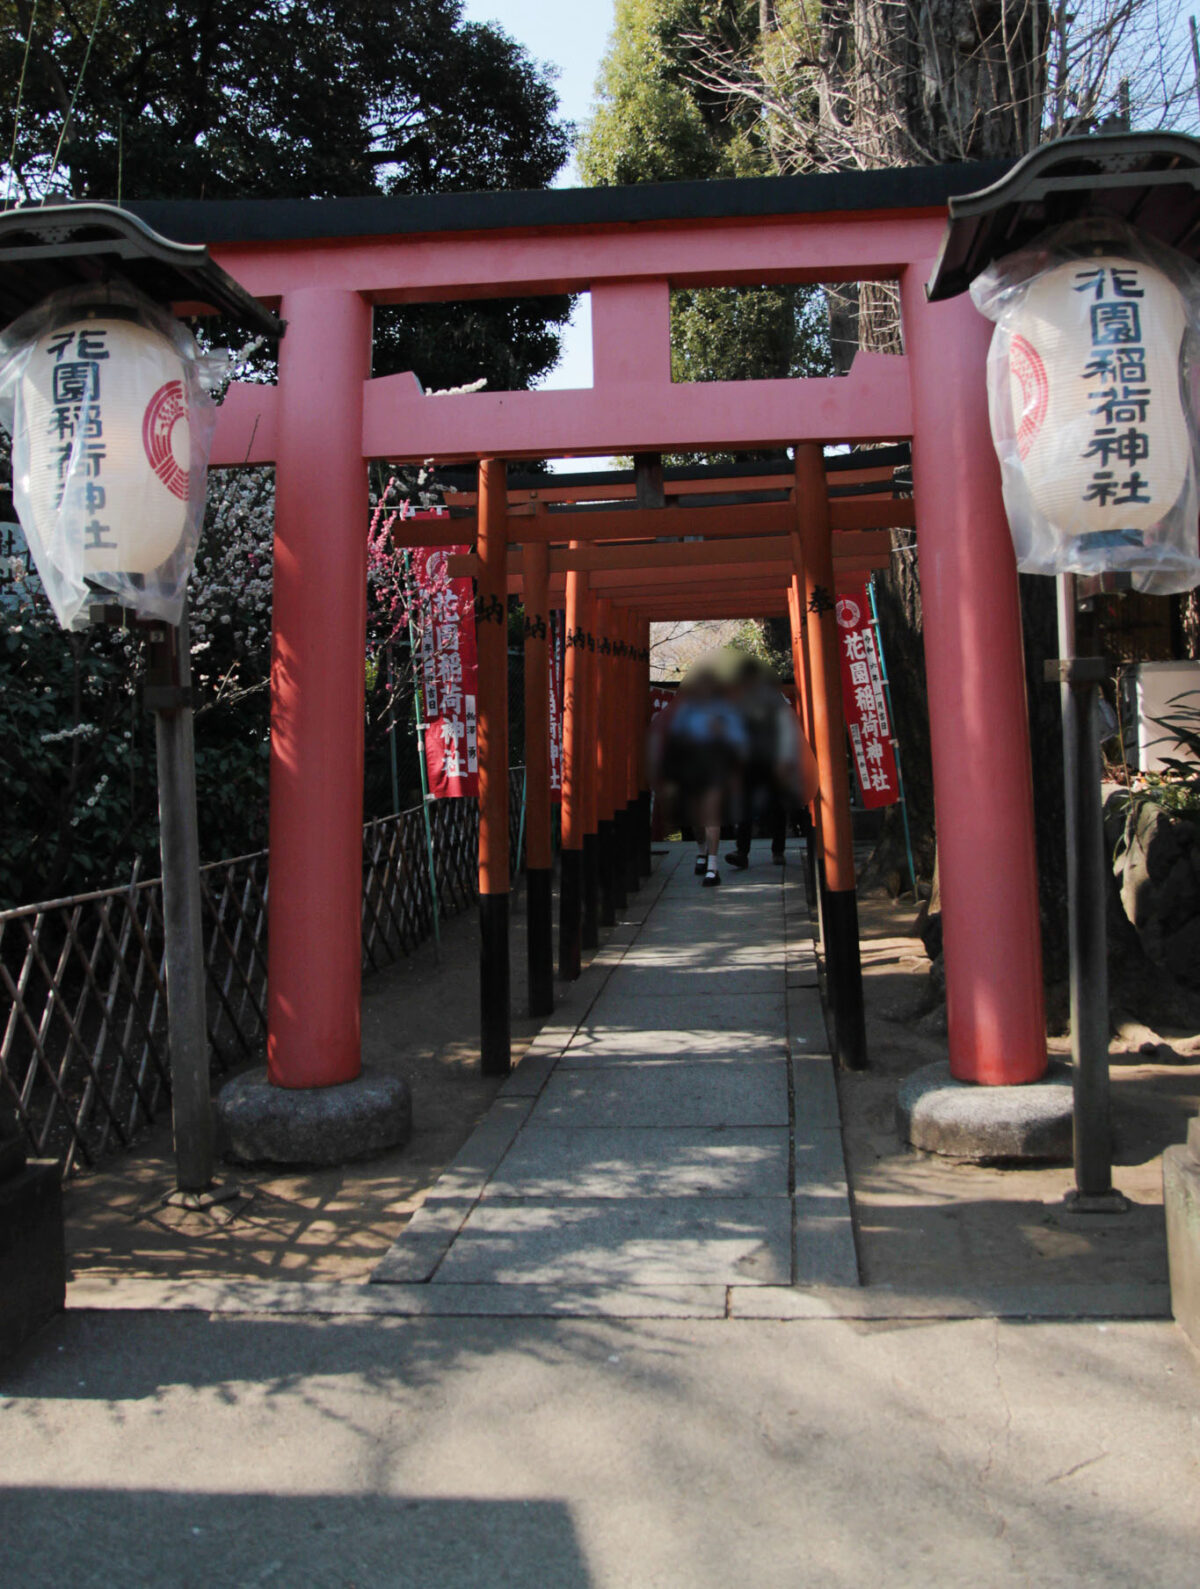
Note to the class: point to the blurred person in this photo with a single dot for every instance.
(767, 787)
(780, 770)
(704, 746)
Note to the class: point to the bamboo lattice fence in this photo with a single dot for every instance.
(83, 1047)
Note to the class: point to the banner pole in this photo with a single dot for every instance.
(419, 709)
(495, 881)
(521, 822)
(887, 692)
(395, 765)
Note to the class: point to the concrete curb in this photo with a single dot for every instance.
(830, 1304)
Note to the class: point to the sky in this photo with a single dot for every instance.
(571, 35)
(568, 34)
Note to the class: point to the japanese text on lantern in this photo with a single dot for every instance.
(865, 701)
(449, 673)
(1119, 443)
(75, 428)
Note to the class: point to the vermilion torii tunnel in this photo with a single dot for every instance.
(755, 545)
(617, 551)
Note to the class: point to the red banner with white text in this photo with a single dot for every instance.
(449, 671)
(865, 701)
(661, 696)
(557, 633)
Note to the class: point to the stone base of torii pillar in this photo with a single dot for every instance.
(259, 1123)
(987, 1125)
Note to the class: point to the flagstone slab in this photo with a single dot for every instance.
(657, 1096)
(823, 1241)
(806, 1022)
(820, 1164)
(814, 1094)
(530, 1075)
(424, 1242)
(709, 1048)
(616, 1012)
(738, 1162)
(635, 981)
(469, 1170)
(696, 933)
(631, 1242)
(698, 958)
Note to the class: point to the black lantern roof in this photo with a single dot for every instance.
(46, 247)
(1149, 179)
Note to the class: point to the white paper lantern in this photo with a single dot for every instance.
(103, 480)
(1097, 331)
(107, 399)
(1094, 383)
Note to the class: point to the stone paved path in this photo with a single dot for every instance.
(676, 1137)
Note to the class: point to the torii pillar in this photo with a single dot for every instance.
(313, 1104)
(539, 857)
(586, 742)
(813, 551)
(642, 719)
(979, 729)
(571, 854)
(602, 762)
(495, 1031)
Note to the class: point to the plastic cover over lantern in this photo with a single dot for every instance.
(1092, 394)
(105, 396)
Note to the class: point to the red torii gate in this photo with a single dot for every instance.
(617, 568)
(324, 264)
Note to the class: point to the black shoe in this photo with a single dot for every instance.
(711, 879)
(701, 864)
(737, 860)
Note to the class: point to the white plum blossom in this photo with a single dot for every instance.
(231, 585)
(76, 731)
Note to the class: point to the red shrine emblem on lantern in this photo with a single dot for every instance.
(1029, 375)
(163, 411)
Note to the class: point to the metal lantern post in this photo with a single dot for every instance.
(168, 695)
(1080, 679)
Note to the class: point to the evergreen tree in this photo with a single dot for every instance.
(270, 99)
(653, 123)
(153, 99)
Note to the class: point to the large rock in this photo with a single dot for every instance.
(1157, 866)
